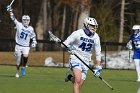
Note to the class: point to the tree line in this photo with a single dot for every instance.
(62, 17)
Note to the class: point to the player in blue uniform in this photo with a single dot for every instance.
(134, 43)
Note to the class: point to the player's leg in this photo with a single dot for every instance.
(25, 51)
(18, 59)
(77, 80)
(137, 65)
(76, 66)
(80, 73)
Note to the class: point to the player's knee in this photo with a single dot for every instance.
(77, 80)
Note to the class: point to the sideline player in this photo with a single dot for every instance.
(134, 43)
(24, 35)
(83, 42)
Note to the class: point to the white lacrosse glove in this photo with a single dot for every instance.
(97, 71)
(33, 44)
(9, 8)
(129, 45)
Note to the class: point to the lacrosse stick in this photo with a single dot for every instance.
(11, 2)
(9, 7)
(56, 39)
(129, 56)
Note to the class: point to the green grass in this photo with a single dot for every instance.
(51, 80)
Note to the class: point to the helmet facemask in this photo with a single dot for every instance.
(92, 28)
(136, 31)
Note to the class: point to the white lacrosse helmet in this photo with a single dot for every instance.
(136, 29)
(25, 20)
(26, 17)
(90, 21)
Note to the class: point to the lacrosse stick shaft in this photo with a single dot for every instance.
(11, 2)
(129, 56)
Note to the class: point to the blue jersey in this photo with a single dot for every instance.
(136, 45)
(135, 42)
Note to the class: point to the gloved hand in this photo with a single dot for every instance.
(9, 8)
(97, 71)
(33, 44)
(70, 47)
(129, 45)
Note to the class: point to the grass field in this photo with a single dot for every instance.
(51, 80)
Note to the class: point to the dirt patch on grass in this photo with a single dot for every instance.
(35, 58)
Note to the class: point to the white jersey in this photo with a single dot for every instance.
(84, 45)
(23, 34)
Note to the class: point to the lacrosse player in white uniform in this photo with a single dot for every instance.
(83, 42)
(24, 35)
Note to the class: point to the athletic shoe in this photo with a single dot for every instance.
(17, 75)
(138, 80)
(67, 75)
(23, 71)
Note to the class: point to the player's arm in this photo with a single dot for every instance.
(34, 42)
(12, 16)
(98, 66)
(33, 37)
(70, 39)
(129, 45)
(98, 50)
(10, 10)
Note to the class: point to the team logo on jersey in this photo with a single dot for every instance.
(87, 40)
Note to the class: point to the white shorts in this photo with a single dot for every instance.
(76, 63)
(22, 50)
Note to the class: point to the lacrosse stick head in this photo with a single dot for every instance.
(53, 37)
